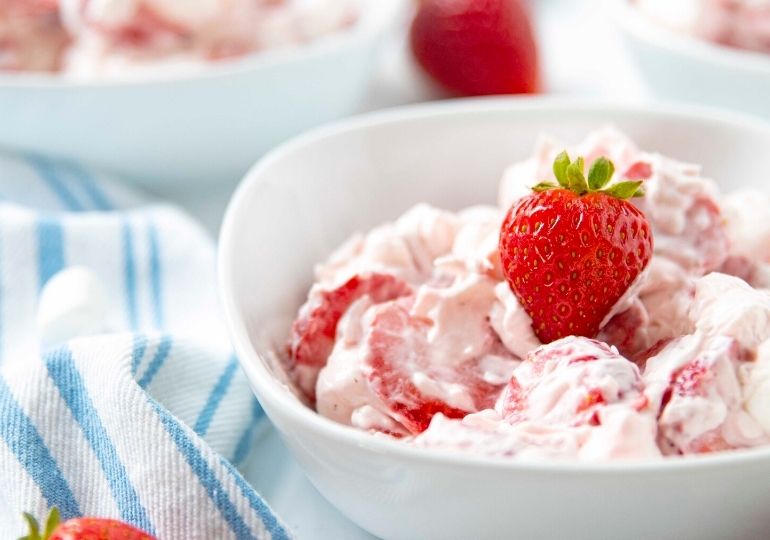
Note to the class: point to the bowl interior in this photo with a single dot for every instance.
(304, 199)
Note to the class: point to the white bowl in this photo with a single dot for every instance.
(205, 126)
(306, 197)
(681, 67)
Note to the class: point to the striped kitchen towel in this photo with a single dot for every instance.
(119, 393)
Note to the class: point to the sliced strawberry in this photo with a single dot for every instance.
(314, 330)
(641, 170)
(398, 352)
(574, 374)
(708, 233)
(696, 391)
(738, 266)
(626, 330)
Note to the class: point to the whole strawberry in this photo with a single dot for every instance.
(86, 528)
(476, 47)
(570, 251)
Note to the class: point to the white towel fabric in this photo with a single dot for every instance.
(142, 415)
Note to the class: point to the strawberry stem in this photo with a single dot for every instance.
(54, 518)
(560, 165)
(569, 175)
(600, 173)
(51, 522)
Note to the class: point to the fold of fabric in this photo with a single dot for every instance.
(119, 393)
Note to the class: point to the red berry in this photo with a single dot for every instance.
(397, 349)
(97, 529)
(476, 47)
(84, 528)
(569, 252)
(709, 378)
(314, 330)
(587, 365)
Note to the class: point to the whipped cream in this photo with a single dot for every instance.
(573, 398)
(92, 38)
(737, 23)
(423, 339)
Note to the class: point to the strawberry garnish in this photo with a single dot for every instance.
(571, 250)
(85, 528)
(476, 47)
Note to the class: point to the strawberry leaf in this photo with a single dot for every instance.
(600, 173)
(560, 165)
(575, 179)
(54, 518)
(543, 186)
(625, 189)
(34, 527)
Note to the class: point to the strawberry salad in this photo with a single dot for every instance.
(92, 38)
(744, 24)
(613, 306)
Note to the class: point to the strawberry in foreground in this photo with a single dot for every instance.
(570, 251)
(476, 47)
(82, 529)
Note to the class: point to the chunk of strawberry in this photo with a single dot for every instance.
(701, 397)
(412, 384)
(314, 330)
(627, 330)
(568, 382)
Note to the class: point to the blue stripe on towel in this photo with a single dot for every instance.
(22, 437)
(48, 173)
(2, 306)
(206, 475)
(277, 532)
(98, 198)
(243, 445)
(50, 248)
(129, 275)
(155, 275)
(215, 397)
(164, 347)
(137, 352)
(72, 388)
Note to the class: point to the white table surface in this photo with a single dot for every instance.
(581, 55)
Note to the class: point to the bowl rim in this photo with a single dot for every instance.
(374, 18)
(275, 394)
(631, 20)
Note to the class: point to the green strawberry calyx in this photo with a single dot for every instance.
(53, 520)
(569, 175)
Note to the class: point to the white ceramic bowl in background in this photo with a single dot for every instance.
(305, 198)
(681, 67)
(199, 127)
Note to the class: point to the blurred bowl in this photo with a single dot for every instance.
(205, 126)
(681, 67)
(300, 202)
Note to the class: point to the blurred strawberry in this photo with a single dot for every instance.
(476, 47)
(85, 528)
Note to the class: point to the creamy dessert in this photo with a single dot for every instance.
(625, 315)
(737, 23)
(91, 38)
